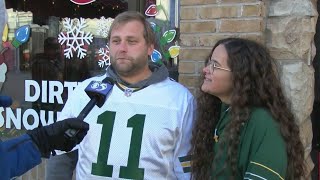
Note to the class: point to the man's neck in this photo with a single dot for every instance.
(137, 78)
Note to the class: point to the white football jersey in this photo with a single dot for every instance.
(144, 134)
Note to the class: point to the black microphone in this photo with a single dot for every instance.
(98, 92)
(5, 101)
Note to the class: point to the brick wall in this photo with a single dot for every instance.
(203, 22)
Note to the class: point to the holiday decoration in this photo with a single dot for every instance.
(168, 36)
(156, 56)
(154, 26)
(174, 51)
(22, 35)
(5, 33)
(104, 26)
(75, 38)
(165, 36)
(82, 2)
(104, 54)
(152, 10)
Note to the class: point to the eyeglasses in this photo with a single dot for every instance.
(212, 65)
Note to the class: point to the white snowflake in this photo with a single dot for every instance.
(75, 38)
(104, 26)
(104, 53)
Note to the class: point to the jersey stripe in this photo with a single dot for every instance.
(255, 175)
(185, 163)
(261, 165)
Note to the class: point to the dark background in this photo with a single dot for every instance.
(42, 9)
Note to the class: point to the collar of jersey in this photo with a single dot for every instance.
(124, 87)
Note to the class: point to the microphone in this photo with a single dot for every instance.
(98, 92)
(5, 101)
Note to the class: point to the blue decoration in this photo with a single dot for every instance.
(22, 35)
(156, 56)
(154, 26)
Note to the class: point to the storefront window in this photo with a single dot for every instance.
(61, 43)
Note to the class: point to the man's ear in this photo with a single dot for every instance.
(150, 49)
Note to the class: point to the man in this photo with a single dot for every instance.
(143, 130)
(47, 66)
(20, 154)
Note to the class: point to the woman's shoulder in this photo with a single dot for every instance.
(262, 119)
(262, 127)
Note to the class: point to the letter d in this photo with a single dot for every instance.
(27, 93)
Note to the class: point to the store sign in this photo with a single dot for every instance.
(46, 92)
(82, 2)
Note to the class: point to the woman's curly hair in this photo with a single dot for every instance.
(255, 84)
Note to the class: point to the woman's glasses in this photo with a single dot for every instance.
(212, 66)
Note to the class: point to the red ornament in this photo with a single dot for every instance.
(82, 2)
(152, 10)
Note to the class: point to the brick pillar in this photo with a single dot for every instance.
(286, 27)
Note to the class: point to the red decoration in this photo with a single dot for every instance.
(152, 10)
(82, 2)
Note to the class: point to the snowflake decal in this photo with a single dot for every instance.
(75, 38)
(104, 26)
(105, 55)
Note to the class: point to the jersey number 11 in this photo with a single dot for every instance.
(131, 171)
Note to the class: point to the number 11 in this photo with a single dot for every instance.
(131, 171)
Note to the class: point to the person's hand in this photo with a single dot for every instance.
(52, 137)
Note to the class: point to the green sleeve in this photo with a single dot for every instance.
(268, 156)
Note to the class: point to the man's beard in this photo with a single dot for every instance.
(131, 68)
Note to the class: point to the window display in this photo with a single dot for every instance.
(48, 47)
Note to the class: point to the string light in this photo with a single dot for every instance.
(156, 56)
(152, 10)
(166, 38)
(5, 33)
(22, 35)
(82, 2)
(169, 35)
(174, 51)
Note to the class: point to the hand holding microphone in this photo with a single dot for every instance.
(51, 137)
(98, 92)
(64, 135)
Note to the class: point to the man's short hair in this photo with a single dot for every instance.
(129, 16)
(51, 43)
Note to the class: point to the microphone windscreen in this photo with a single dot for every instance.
(108, 80)
(99, 90)
(5, 101)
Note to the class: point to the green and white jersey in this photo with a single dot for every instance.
(262, 149)
(145, 135)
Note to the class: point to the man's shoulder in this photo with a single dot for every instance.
(173, 89)
(173, 84)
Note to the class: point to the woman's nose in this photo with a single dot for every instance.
(206, 70)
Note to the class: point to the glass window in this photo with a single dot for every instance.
(49, 46)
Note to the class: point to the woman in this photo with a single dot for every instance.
(244, 128)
